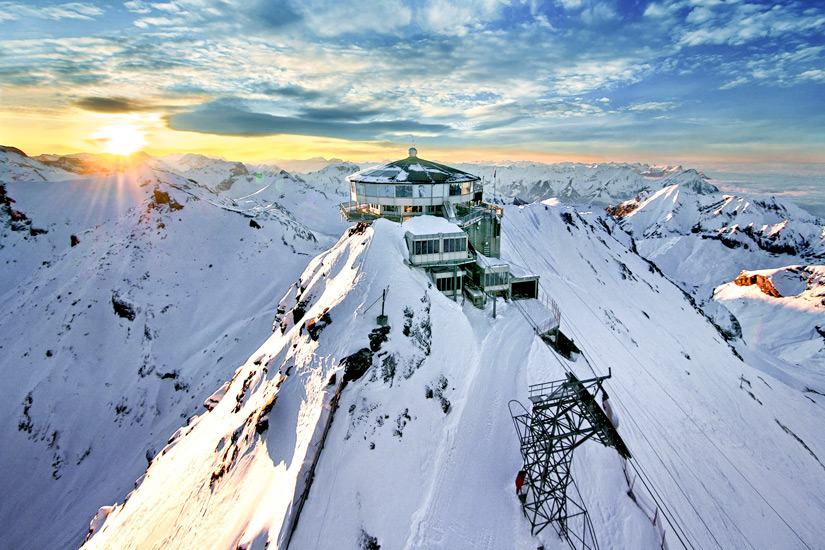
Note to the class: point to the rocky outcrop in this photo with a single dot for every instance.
(763, 283)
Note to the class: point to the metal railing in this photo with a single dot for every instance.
(357, 212)
(554, 321)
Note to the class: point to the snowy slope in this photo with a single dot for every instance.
(703, 241)
(782, 314)
(110, 345)
(313, 197)
(15, 165)
(421, 452)
(724, 451)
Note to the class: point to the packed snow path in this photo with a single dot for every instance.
(470, 461)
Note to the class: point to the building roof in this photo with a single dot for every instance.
(431, 225)
(412, 170)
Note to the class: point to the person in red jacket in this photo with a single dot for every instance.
(521, 487)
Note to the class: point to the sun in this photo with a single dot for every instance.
(121, 139)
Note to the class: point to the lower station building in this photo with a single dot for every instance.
(450, 231)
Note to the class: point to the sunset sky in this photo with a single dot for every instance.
(626, 80)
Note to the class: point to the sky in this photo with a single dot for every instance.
(687, 81)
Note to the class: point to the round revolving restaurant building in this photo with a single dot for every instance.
(411, 187)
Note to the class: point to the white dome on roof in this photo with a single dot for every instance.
(413, 151)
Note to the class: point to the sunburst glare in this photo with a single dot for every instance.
(121, 139)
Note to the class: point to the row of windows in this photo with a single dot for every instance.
(495, 279)
(409, 191)
(425, 247)
(458, 244)
(432, 246)
(446, 283)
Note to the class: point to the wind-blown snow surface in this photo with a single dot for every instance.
(786, 323)
(673, 224)
(421, 452)
(108, 346)
(703, 241)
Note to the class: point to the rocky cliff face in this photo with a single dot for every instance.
(762, 283)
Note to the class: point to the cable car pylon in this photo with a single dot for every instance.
(564, 414)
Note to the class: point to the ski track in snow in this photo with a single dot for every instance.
(468, 461)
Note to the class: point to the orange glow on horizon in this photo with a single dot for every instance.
(62, 133)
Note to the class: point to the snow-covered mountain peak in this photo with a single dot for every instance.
(207, 332)
(140, 297)
(417, 449)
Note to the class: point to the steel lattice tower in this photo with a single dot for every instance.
(564, 415)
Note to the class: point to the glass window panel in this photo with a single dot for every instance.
(455, 189)
(385, 190)
(371, 189)
(423, 191)
(403, 191)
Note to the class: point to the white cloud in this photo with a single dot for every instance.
(598, 13)
(590, 75)
(653, 106)
(816, 75)
(366, 16)
(571, 4)
(137, 6)
(744, 23)
(738, 81)
(659, 10)
(10, 11)
(699, 15)
(457, 18)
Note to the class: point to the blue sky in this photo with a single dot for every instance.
(620, 80)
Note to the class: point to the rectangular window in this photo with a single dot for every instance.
(465, 187)
(403, 191)
(385, 190)
(429, 246)
(455, 189)
(423, 191)
(370, 189)
(495, 279)
(458, 244)
(444, 284)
